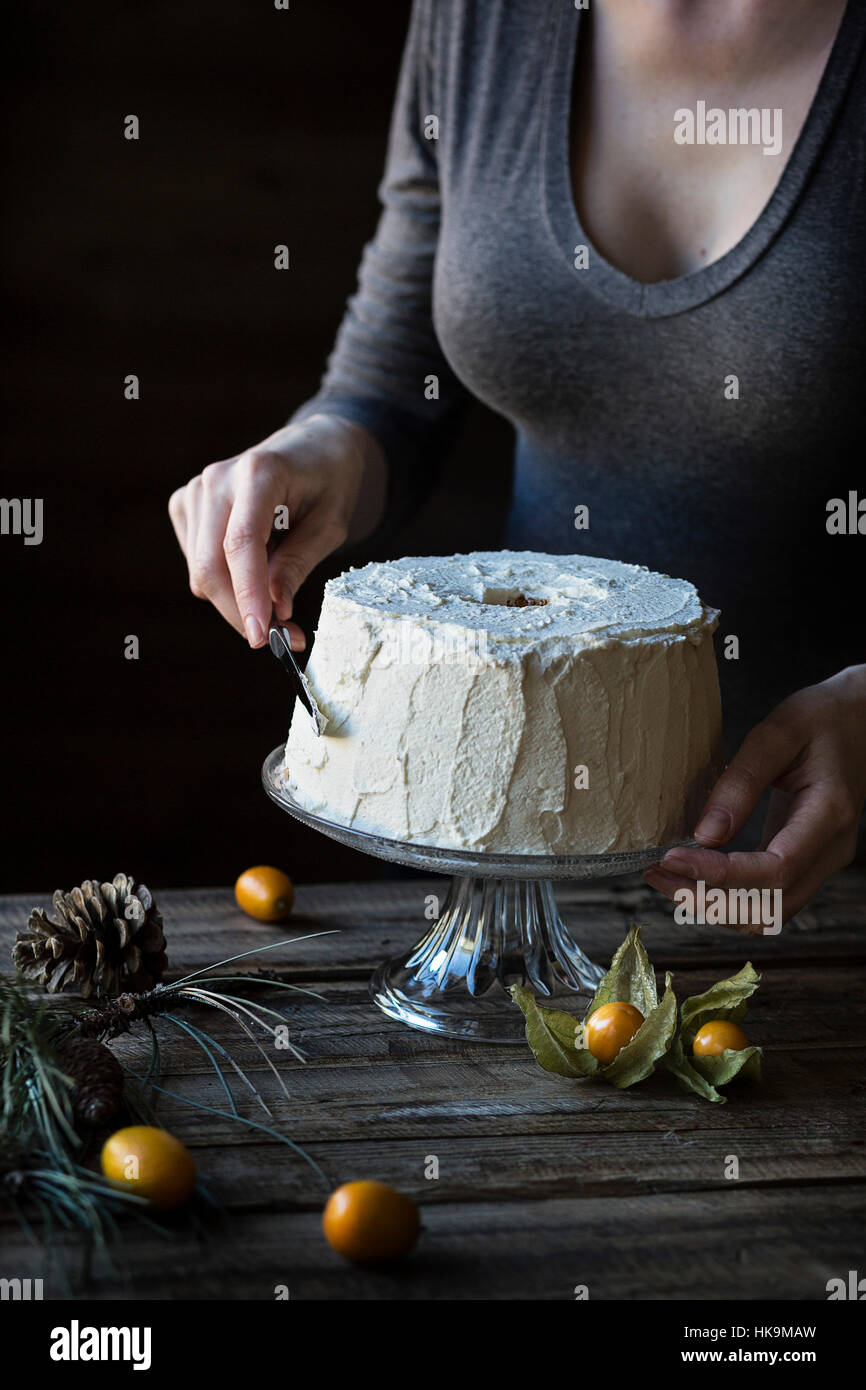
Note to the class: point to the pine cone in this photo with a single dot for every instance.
(108, 938)
(98, 1080)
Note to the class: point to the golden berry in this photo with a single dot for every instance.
(370, 1222)
(718, 1036)
(265, 893)
(151, 1163)
(609, 1029)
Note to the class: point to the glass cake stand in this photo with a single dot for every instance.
(498, 925)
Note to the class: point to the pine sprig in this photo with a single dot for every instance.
(42, 1148)
(36, 1102)
(41, 1173)
(116, 1016)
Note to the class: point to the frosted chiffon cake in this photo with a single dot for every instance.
(511, 702)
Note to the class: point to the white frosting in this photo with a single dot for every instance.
(460, 720)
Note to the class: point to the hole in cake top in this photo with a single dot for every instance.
(511, 598)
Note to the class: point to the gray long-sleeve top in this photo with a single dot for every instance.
(619, 392)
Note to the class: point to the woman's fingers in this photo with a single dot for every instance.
(191, 510)
(778, 811)
(818, 837)
(261, 488)
(753, 869)
(202, 514)
(306, 544)
(666, 881)
(765, 753)
(781, 863)
(670, 884)
(812, 751)
(813, 843)
(786, 858)
(834, 855)
(815, 816)
(177, 513)
(209, 572)
(227, 522)
(297, 639)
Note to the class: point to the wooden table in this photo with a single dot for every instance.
(544, 1184)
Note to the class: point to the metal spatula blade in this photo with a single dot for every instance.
(281, 646)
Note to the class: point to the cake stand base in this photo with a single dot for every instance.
(499, 927)
(492, 933)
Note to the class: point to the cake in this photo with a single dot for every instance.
(510, 702)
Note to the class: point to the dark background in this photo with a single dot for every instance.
(155, 257)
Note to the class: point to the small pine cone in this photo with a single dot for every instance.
(98, 1080)
(107, 937)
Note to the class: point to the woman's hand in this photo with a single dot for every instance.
(327, 472)
(812, 751)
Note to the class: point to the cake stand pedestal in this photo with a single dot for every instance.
(498, 925)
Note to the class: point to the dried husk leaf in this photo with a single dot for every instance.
(556, 1037)
(680, 1067)
(725, 999)
(744, 1062)
(552, 1034)
(638, 1059)
(630, 979)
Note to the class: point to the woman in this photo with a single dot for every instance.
(636, 231)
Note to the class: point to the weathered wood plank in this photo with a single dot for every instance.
(376, 920)
(491, 1150)
(737, 1243)
(371, 1078)
(255, 1176)
(473, 1099)
(813, 1008)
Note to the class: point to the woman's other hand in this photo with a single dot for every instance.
(811, 750)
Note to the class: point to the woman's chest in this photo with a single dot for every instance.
(679, 136)
(532, 325)
(538, 325)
